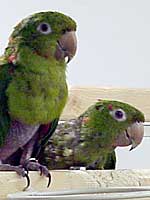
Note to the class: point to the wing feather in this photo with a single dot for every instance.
(5, 79)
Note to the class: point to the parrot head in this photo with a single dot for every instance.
(47, 34)
(118, 123)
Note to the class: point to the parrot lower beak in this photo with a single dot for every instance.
(66, 46)
(133, 135)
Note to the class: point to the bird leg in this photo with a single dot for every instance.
(33, 164)
(19, 169)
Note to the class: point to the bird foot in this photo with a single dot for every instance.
(19, 170)
(33, 165)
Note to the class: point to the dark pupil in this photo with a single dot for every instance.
(44, 27)
(119, 114)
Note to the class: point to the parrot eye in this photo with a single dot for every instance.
(44, 28)
(118, 115)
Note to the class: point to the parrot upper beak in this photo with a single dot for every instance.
(133, 136)
(135, 133)
(66, 46)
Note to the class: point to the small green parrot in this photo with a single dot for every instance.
(33, 89)
(89, 141)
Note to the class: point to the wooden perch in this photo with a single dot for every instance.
(11, 183)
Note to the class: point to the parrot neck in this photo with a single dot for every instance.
(95, 147)
(27, 57)
(96, 133)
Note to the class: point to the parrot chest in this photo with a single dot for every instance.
(35, 98)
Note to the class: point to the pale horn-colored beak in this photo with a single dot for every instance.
(66, 46)
(133, 136)
(135, 132)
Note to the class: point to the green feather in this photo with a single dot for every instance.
(35, 92)
(38, 86)
(89, 140)
(38, 90)
(5, 78)
(102, 122)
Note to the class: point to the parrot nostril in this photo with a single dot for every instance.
(66, 30)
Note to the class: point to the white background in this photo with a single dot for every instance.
(113, 38)
(113, 47)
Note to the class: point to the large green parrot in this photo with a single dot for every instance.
(33, 89)
(89, 141)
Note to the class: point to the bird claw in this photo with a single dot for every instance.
(28, 181)
(20, 170)
(23, 170)
(24, 173)
(32, 164)
(49, 180)
(44, 171)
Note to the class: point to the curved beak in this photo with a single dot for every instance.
(66, 46)
(135, 133)
(133, 136)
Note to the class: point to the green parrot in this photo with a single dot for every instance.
(90, 140)
(33, 89)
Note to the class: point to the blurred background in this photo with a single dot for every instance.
(113, 48)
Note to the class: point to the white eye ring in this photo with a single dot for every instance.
(118, 114)
(44, 28)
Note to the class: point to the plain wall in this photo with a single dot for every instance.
(113, 38)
